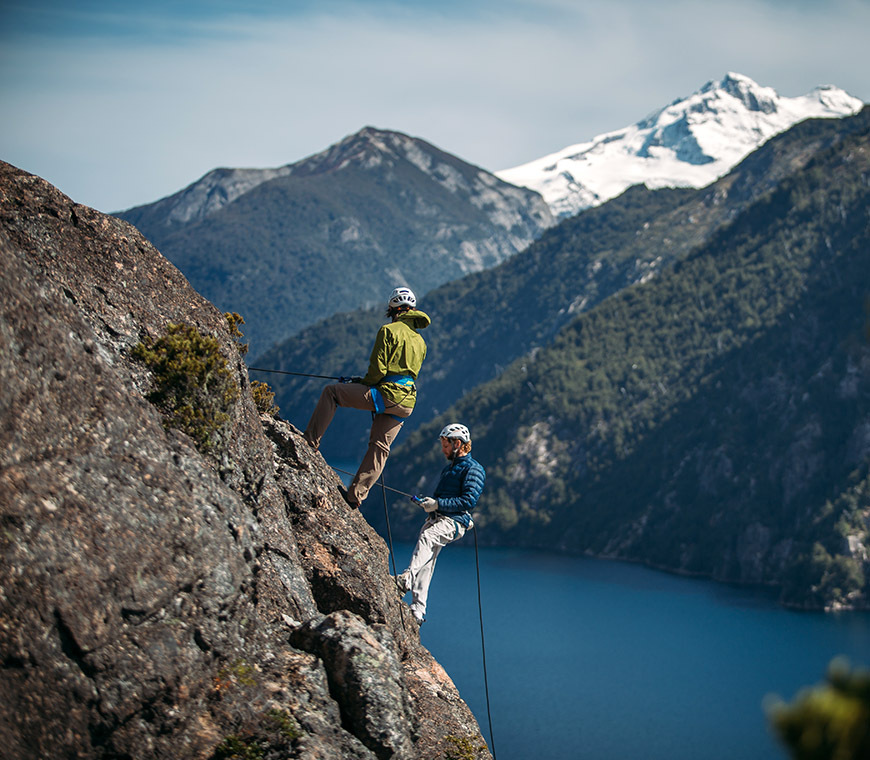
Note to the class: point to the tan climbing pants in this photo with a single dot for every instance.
(385, 428)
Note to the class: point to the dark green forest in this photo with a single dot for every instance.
(714, 420)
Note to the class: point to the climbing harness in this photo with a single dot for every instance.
(377, 397)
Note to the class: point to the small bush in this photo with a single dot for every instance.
(235, 748)
(234, 320)
(270, 735)
(284, 724)
(264, 398)
(191, 384)
(238, 673)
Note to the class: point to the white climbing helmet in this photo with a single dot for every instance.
(455, 430)
(402, 297)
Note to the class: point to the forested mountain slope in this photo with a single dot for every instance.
(339, 230)
(714, 420)
(484, 321)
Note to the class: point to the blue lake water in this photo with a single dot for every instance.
(609, 661)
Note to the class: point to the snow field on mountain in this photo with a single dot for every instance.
(689, 143)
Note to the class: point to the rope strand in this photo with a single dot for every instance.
(297, 374)
(483, 643)
(394, 490)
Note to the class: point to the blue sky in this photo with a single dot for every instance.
(120, 103)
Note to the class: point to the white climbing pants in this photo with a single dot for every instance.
(436, 533)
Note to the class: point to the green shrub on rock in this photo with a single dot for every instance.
(191, 383)
(264, 398)
(234, 320)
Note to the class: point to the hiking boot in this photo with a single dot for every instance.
(346, 496)
(403, 583)
(419, 615)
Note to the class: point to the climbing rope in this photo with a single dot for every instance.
(297, 374)
(483, 642)
(390, 543)
(394, 490)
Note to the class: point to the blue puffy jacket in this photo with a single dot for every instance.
(459, 488)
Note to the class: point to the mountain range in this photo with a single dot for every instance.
(521, 305)
(272, 244)
(706, 308)
(688, 143)
(494, 330)
(287, 247)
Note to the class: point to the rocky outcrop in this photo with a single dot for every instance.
(155, 601)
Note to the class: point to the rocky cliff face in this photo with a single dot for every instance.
(154, 601)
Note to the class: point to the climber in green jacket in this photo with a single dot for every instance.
(388, 390)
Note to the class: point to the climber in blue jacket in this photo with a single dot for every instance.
(449, 514)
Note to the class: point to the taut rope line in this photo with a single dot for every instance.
(483, 644)
(297, 374)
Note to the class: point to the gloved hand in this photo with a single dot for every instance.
(350, 379)
(428, 503)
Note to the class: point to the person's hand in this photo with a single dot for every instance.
(429, 504)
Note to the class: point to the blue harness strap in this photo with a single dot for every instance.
(378, 399)
(398, 379)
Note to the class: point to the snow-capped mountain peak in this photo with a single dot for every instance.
(689, 143)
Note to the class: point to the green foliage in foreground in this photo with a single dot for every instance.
(830, 721)
(191, 383)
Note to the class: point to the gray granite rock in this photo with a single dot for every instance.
(157, 602)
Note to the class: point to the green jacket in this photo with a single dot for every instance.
(399, 350)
